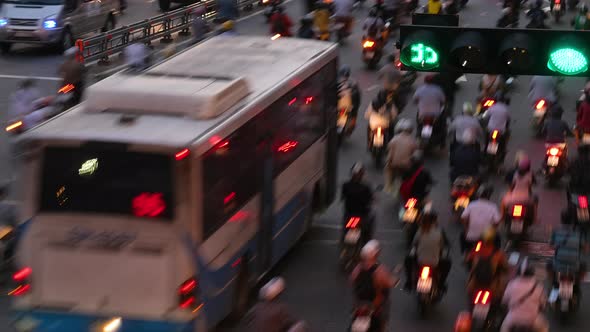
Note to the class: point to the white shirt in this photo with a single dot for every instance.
(498, 117)
(482, 214)
(463, 123)
(343, 8)
(527, 311)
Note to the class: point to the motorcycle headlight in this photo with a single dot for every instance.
(49, 23)
(3, 22)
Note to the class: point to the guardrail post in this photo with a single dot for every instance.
(186, 18)
(167, 37)
(104, 47)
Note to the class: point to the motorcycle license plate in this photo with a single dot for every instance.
(426, 132)
(369, 55)
(361, 324)
(352, 236)
(583, 215)
(424, 285)
(461, 202)
(539, 112)
(480, 311)
(557, 7)
(552, 161)
(410, 215)
(378, 140)
(566, 290)
(586, 139)
(516, 227)
(342, 121)
(493, 148)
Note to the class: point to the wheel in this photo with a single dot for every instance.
(109, 24)
(5, 47)
(66, 42)
(241, 293)
(164, 5)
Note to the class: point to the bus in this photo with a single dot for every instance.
(161, 200)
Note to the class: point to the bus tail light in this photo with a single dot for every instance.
(22, 279)
(187, 294)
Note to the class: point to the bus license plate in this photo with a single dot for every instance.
(586, 139)
(493, 148)
(480, 311)
(361, 324)
(516, 226)
(539, 112)
(426, 132)
(583, 215)
(552, 161)
(566, 290)
(342, 121)
(424, 285)
(378, 140)
(410, 215)
(461, 202)
(352, 236)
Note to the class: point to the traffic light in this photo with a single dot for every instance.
(500, 51)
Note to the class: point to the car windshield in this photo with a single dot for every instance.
(107, 181)
(36, 2)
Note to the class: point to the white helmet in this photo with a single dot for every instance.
(371, 250)
(404, 125)
(272, 289)
(467, 108)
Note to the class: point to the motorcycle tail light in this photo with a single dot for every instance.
(425, 272)
(554, 152)
(353, 222)
(411, 203)
(557, 2)
(494, 134)
(378, 131)
(583, 202)
(428, 121)
(66, 88)
(517, 211)
(540, 104)
(368, 43)
(482, 297)
(14, 126)
(489, 103)
(275, 37)
(478, 246)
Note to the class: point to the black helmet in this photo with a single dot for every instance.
(429, 217)
(344, 71)
(373, 12)
(485, 191)
(380, 100)
(391, 58)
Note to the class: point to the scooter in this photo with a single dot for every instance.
(495, 151)
(558, 10)
(483, 313)
(362, 319)
(517, 222)
(554, 165)
(483, 105)
(410, 215)
(427, 289)
(428, 137)
(352, 243)
(577, 210)
(539, 114)
(372, 51)
(379, 136)
(461, 193)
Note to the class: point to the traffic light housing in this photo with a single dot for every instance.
(499, 51)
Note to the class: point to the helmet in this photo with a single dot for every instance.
(429, 217)
(27, 83)
(485, 191)
(468, 137)
(357, 170)
(467, 108)
(373, 12)
(272, 289)
(489, 235)
(71, 52)
(524, 165)
(344, 71)
(228, 25)
(520, 155)
(418, 157)
(404, 125)
(380, 100)
(371, 250)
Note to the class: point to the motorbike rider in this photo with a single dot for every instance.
(583, 114)
(525, 298)
(521, 189)
(479, 216)
(372, 282)
(306, 28)
(431, 100)
(428, 249)
(447, 81)
(343, 13)
(358, 197)
(543, 87)
(490, 85)
(73, 72)
(581, 21)
(390, 75)
(137, 56)
(488, 266)
(399, 152)
(349, 93)
(537, 16)
(508, 18)
(381, 112)
(417, 180)
(269, 314)
(498, 117)
(466, 157)
(280, 23)
(321, 20)
(24, 99)
(465, 122)
(199, 25)
(556, 130)
(568, 244)
(373, 25)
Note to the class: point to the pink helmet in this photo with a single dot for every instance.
(524, 164)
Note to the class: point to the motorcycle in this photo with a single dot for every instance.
(352, 243)
(372, 51)
(410, 215)
(554, 165)
(427, 289)
(483, 105)
(517, 222)
(565, 294)
(558, 10)
(483, 316)
(538, 120)
(495, 152)
(379, 137)
(44, 109)
(427, 135)
(578, 209)
(345, 122)
(461, 193)
(362, 319)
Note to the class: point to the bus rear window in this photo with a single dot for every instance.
(105, 181)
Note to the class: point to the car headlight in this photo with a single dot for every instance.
(3, 21)
(49, 23)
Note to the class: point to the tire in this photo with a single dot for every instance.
(5, 47)
(66, 41)
(164, 5)
(109, 24)
(241, 296)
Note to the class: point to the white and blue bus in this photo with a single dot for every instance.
(157, 203)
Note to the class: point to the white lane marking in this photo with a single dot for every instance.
(40, 78)
(338, 227)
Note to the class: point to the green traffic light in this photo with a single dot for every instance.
(567, 61)
(423, 56)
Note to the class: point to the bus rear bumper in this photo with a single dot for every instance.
(55, 321)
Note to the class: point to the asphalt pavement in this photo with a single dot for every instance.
(317, 291)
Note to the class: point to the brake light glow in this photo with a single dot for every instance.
(188, 286)
(540, 104)
(517, 211)
(484, 296)
(186, 292)
(554, 152)
(182, 154)
(557, 2)
(378, 131)
(113, 325)
(489, 103)
(583, 202)
(308, 100)
(66, 88)
(14, 126)
(20, 290)
(411, 203)
(287, 146)
(275, 37)
(229, 198)
(495, 134)
(398, 64)
(22, 275)
(353, 222)
(292, 101)
(148, 205)
(425, 272)
(478, 246)
(368, 44)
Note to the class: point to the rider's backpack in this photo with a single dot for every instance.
(483, 270)
(364, 288)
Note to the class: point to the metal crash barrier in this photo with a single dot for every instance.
(105, 44)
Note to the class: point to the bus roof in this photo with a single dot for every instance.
(180, 102)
